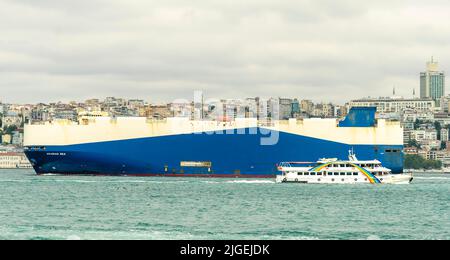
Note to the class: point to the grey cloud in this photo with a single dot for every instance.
(324, 50)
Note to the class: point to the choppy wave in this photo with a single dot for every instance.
(252, 181)
(20, 181)
(432, 178)
(73, 237)
(171, 208)
(240, 182)
(112, 181)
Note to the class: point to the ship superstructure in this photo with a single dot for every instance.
(335, 171)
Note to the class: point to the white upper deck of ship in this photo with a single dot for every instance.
(99, 129)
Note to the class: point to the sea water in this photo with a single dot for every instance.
(86, 207)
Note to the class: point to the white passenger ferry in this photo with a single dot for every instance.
(334, 171)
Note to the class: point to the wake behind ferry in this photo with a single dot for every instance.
(334, 171)
(180, 147)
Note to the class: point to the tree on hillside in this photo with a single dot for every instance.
(414, 143)
(438, 128)
(10, 129)
(417, 124)
(417, 162)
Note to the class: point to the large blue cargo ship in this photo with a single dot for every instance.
(181, 147)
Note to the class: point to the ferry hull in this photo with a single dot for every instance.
(200, 155)
(391, 179)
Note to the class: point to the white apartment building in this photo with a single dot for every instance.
(410, 115)
(397, 105)
(424, 135)
(444, 135)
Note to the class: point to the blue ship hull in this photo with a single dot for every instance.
(237, 155)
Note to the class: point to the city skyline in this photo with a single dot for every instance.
(392, 96)
(159, 51)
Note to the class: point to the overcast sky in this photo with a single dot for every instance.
(325, 50)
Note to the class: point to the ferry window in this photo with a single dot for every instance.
(300, 173)
(332, 179)
(306, 173)
(342, 173)
(319, 173)
(389, 151)
(336, 174)
(313, 174)
(349, 173)
(355, 174)
(330, 174)
(342, 165)
(343, 179)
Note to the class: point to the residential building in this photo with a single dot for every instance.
(14, 160)
(411, 150)
(285, 108)
(307, 106)
(6, 139)
(444, 135)
(66, 114)
(424, 135)
(398, 105)
(17, 138)
(11, 118)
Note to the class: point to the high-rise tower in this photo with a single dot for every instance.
(432, 82)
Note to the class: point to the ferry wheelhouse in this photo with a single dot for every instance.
(335, 171)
